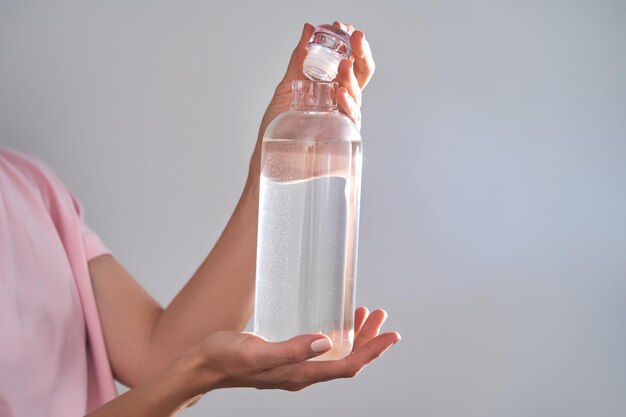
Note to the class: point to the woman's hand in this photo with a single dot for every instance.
(353, 75)
(231, 359)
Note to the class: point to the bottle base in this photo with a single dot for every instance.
(337, 352)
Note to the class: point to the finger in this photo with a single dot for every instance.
(297, 349)
(363, 355)
(308, 373)
(346, 78)
(343, 26)
(360, 314)
(363, 61)
(348, 106)
(370, 328)
(296, 63)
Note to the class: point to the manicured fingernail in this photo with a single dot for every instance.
(321, 345)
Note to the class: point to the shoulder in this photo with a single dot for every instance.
(29, 167)
(29, 173)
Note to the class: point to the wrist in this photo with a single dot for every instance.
(198, 376)
(251, 189)
(254, 169)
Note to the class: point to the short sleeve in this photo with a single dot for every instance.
(94, 246)
(58, 199)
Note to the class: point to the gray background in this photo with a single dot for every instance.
(494, 187)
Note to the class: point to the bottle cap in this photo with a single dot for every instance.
(326, 48)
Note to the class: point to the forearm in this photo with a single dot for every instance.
(142, 337)
(220, 294)
(163, 395)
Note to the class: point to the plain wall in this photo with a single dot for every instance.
(494, 187)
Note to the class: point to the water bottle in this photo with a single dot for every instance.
(309, 217)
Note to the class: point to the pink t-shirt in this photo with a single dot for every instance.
(53, 360)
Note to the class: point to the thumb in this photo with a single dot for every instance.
(294, 350)
(296, 64)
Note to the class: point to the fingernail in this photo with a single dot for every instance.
(321, 345)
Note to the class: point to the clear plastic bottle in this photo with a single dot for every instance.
(308, 221)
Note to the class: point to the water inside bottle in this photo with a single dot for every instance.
(307, 242)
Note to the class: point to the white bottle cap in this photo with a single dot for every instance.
(327, 47)
(321, 63)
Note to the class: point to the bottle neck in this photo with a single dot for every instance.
(315, 96)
